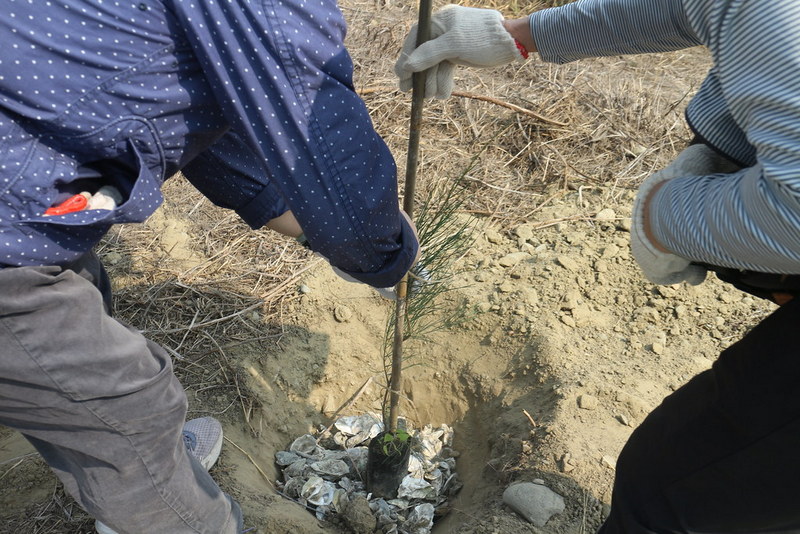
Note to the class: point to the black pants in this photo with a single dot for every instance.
(721, 454)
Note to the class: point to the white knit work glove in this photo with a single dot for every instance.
(467, 36)
(661, 267)
(416, 277)
(386, 292)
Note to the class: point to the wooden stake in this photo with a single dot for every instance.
(412, 161)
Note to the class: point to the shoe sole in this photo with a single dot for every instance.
(209, 461)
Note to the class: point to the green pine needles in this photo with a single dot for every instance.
(444, 237)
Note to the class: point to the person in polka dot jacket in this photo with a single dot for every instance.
(100, 102)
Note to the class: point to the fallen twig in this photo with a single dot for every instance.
(474, 96)
(533, 423)
(346, 405)
(258, 468)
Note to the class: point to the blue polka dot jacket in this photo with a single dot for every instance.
(252, 101)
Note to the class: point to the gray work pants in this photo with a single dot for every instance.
(101, 405)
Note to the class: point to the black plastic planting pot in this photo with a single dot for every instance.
(387, 465)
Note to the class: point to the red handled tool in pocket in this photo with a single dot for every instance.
(72, 204)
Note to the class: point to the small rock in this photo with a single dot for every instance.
(318, 491)
(637, 149)
(571, 300)
(506, 287)
(342, 313)
(605, 215)
(568, 263)
(567, 465)
(493, 236)
(611, 251)
(296, 469)
(568, 320)
(658, 348)
(113, 258)
(622, 418)
(608, 462)
(293, 487)
(284, 458)
(328, 405)
(304, 445)
(530, 296)
(510, 260)
(420, 520)
(588, 402)
(304, 289)
(358, 515)
(337, 468)
(535, 502)
(524, 232)
(583, 315)
(647, 314)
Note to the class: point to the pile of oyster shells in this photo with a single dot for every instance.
(327, 474)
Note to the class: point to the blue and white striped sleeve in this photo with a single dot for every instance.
(748, 108)
(592, 28)
(750, 219)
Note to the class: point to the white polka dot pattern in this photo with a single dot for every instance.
(252, 99)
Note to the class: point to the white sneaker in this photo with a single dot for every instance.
(102, 529)
(203, 440)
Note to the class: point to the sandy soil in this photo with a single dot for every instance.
(566, 352)
(567, 333)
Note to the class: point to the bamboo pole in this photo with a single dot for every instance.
(412, 161)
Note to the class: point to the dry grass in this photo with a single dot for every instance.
(601, 123)
(57, 515)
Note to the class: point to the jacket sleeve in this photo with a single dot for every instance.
(747, 109)
(281, 73)
(749, 219)
(593, 28)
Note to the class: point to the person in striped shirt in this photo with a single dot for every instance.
(101, 102)
(718, 455)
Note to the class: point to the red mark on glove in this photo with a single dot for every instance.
(521, 48)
